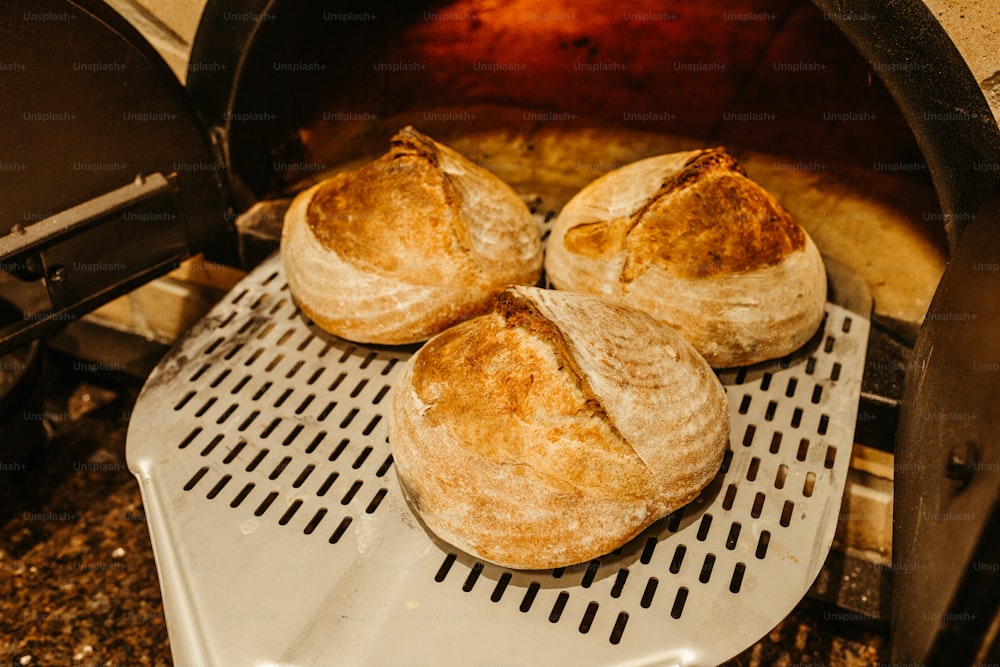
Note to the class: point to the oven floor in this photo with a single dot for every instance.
(77, 577)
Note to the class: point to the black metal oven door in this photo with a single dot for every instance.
(108, 177)
(946, 524)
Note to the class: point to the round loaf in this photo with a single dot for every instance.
(688, 238)
(554, 429)
(407, 245)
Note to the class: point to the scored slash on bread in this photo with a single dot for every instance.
(554, 429)
(690, 239)
(407, 245)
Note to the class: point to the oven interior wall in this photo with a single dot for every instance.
(766, 75)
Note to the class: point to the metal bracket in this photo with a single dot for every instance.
(23, 241)
(96, 251)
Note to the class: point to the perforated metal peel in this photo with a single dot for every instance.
(281, 535)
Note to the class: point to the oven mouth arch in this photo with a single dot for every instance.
(941, 100)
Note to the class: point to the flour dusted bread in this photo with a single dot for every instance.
(688, 238)
(407, 245)
(554, 429)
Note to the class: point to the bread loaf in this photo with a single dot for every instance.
(688, 238)
(407, 245)
(554, 429)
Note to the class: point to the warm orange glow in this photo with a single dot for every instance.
(641, 60)
(769, 75)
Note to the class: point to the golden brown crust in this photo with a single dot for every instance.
(500, 417)
(706, 219)
(554, 429)
(690, 239)
(407, 245)
(346, 215)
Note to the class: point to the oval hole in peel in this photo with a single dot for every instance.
(810, 483)
(762, 543)
(786, 513)
(779, 478)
